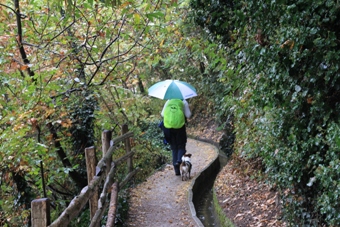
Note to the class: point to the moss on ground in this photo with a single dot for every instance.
(224, 221)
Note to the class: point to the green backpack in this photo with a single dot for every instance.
(173, 114)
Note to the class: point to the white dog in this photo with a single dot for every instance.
(186, 167)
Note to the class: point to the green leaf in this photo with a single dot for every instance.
(136, 17)
(156, 15)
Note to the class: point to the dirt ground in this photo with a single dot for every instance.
(162, 200)
(246, 201)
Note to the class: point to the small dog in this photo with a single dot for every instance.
(186, 167)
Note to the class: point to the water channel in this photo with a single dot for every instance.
(204, 202)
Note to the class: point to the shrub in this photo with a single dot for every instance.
(284, 77)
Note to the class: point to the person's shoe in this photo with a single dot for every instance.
(177, 171)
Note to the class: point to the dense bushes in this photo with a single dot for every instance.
(286, 97)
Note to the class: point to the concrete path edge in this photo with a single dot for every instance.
(201, 179)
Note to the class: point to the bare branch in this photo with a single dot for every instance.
(114, 40)
(22, 16)
(100, 62)
(19, 39)
(66, 92)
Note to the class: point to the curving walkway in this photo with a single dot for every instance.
(163, 200)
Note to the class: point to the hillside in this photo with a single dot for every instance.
(245, 200)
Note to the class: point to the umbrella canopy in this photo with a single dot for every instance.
(172, 89)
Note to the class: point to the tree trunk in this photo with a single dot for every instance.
(76, 177)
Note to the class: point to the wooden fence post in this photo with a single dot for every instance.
(91, 162)
(111, 216)
(40, 216)
(125, 129)
(106, 138)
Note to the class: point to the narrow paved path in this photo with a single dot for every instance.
(162, 200)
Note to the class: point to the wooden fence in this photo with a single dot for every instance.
(100, 175)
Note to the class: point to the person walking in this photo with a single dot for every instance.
(174, 113)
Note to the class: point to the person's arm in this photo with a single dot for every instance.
(162, 113)
(187, 111)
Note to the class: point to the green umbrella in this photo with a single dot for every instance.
(172, 89)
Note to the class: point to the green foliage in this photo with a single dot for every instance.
(79, 78)
(123, 208)
(152, 153)
(283, 76)
(215, 16)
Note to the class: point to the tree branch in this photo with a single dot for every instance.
(76, 177)
(19, 39)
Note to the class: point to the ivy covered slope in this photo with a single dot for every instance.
(281, 69)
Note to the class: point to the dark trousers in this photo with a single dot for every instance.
(178, 140)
